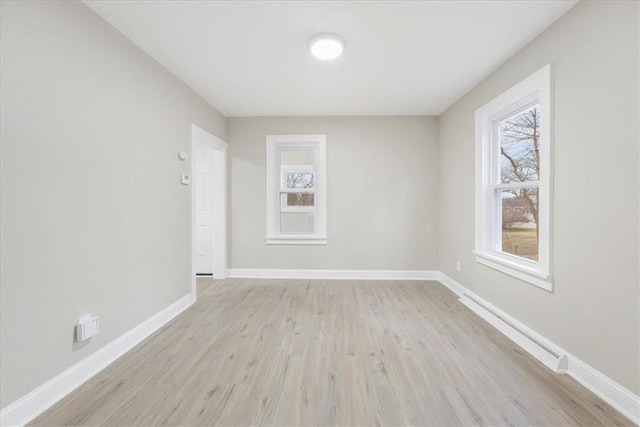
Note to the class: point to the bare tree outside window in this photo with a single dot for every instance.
(300, 180)
(519, 138)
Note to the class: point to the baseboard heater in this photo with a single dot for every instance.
(550, 358)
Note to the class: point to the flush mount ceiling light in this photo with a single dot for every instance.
(326, 46)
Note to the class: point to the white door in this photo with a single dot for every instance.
(208, 206)
(203, 175)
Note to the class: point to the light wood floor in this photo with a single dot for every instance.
(303, 352)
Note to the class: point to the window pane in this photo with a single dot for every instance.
(297, 222)
(519, 144)
(519, 233)
(298, 199)
(299, 179)
(297, 157)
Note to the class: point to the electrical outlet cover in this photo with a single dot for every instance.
(87, 327)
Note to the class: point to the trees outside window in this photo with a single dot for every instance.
(302, 178)
(519, 139)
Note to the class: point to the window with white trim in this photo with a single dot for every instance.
(513, 181)
(296, 190)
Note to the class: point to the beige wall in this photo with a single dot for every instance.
(381, 180)
(594, 311)
(94, 219)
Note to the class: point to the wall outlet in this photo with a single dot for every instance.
(458, 266)
(87, 327)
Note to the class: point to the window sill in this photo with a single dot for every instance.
(516, 270)
(291, 240)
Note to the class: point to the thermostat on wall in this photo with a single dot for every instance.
(87, 327)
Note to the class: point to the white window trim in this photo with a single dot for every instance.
(275, 144)
(534, 89)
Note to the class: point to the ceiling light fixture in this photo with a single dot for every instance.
(326, 46)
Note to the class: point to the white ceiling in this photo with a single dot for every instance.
(251, 59)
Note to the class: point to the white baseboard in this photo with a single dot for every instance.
(549, 353)
(453, 286)
(252, 273)
(604, 387)
(37, 401)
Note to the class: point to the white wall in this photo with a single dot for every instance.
(594, 311)
(93, 216)
(381, 180)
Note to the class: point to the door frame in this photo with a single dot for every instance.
(200, 136)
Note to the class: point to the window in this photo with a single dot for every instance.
(513, 181)
(296, 190)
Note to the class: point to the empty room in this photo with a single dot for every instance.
(346, 213)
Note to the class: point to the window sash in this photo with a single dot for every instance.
(284, 207)
(515, 185)
(297, 190)
(496, 244)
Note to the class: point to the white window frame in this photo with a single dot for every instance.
(275, 188)
(536, 89)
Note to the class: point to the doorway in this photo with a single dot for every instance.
(208, 206)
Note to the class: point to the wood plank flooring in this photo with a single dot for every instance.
(319, 352)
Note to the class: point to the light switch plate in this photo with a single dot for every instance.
(185, 179)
